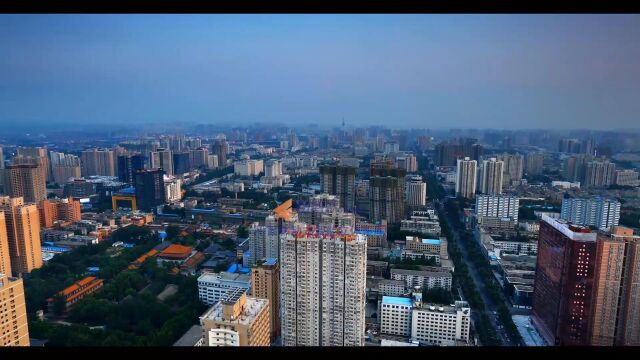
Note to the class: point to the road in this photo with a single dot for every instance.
(490, 307)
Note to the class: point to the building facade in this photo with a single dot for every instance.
(25, 181)
(491, 173)
(237, 320)
(599, 212)
(339, 180)
(23, 234)
(14, 329)
(265, 284)
(466, 178)
(323, 288)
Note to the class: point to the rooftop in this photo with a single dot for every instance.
(250, 311)
(431, 241)
(191, 337)
(395, 300)
(176, 251)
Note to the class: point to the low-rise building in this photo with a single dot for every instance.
(237, 320)
(441, 325)
(76, 292)
(212, 287)
(395, 316)
(428, 246)
(424, 222)
(423, 279)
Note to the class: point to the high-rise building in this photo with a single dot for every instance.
(407, 162)
(416, 191)
(64, 167)
(248, 167)
(534, 163)
(198, 158)
(339, 180)
(466, 178)
(14, 328)
(23, 234)
(324, 211)
(25, 181)
(322, 280)
(150, 191)
(220, 148)
(513, 168)
(163, 159)
(616, 310)
(265, 284)
(599, 173)
(212, 162)
(273, 167)
(1, 158)
(490, 180)
(67, 210)
(181, 162)
(172, 189)
(564, 282)
(599, 212)
(386, 192)
(573, 146)
(497, 206)
(237, 320)
(98, 162)
(575, 168)
(627, 178)
(5, 254)
(39, 156)
(63, 173)
(128, 165)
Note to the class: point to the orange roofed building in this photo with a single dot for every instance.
(175, 252)
(77, 291)
(136, 264)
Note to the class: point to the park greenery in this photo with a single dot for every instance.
(126, 311)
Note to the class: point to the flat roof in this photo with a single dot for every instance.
(270, 261)
(431, 241)
(395, 300)
(370, 232)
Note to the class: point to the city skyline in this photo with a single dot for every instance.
(423, 71)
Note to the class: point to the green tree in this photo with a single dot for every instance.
(59, 304)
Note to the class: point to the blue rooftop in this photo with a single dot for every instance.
(54, 248)
(370, 232)
(270, 261)
(431, 241)
(394, 300)
(129, 190)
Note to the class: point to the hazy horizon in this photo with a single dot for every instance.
(400, 71)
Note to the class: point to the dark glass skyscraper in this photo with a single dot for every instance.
(564, 283)
(149, 186)
(128, 165)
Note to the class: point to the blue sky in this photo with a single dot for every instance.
(427, 71)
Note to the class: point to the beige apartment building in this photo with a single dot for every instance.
(23, 234)
(237, 320)
(14, 330)
(265, 284)
(25, 180)
(616, 310)
(5, 257)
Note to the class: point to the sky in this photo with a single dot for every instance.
(404, 71)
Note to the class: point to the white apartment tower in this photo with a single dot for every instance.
(416, 191)
(599, 212)
(491, 174)
(323, 284)
(466, 178)
(497, 206)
